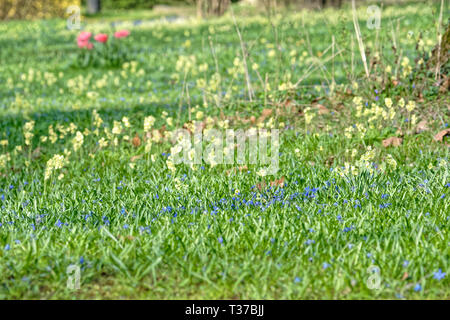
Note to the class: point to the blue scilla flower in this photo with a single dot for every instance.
(7, 247)
(297, 279)
(417, 287)
(439, 275)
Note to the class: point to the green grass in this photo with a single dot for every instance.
(140, 230)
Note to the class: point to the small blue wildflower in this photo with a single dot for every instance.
(297, 280)
(220, 239)
(125, 226)
(7, 247)
(439, 275)
(325, 265)
(417, 287)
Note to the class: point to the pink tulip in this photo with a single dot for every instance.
(101, 37)
(84, 36)
(84, 44)
(122, 34)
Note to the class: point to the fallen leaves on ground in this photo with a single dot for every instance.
(392, 141)
(136, 141)
(422, 126)
(439, 137)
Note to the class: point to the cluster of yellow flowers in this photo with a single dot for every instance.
(4, 159)
(28, 132)
(55, 163)
(77, 141)
(365, 164)
(309, 115)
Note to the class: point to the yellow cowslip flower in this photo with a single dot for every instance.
(309, 115)
(77, 141)
(348, 132)
(401, 102)
(199, 115)
(102, 143)
(388, 102)
(126, 122)
(28, 132)
(410, 106)
(391, 161)
(117, 128)
(405, 62)
(170, 164)
(55, 163)
(3, 143)
(97, 120)
(92, 95)
(4, 159)
(148, 123)
(148, 146)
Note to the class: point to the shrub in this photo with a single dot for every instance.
(26, 9)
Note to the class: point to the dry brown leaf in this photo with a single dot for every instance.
(322, 109)
(242, 168)
(439, 137)
(405, 276)
(264, 114)
(136, 141)
(134, 158)
(279, 182)
(261, 185)
(422, 126)
(392, 141)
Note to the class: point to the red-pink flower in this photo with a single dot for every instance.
(84, 36)
(122, 34)
(101, 37)
(84, 44)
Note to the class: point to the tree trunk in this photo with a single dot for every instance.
(93, 6)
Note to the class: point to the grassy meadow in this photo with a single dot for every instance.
(359, 208)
